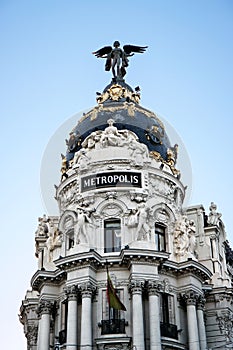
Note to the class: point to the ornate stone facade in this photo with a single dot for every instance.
(121, 206)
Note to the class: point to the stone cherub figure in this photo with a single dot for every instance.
(117, 57)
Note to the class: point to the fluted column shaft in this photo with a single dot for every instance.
(201, 324)
(155, 335)
(138, 329)
(86, 317)
(72, 318)
(44, 325)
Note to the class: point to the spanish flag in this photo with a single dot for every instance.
(113, 299)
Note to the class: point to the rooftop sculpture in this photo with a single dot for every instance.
(117, 57)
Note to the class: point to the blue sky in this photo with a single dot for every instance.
(48, 74)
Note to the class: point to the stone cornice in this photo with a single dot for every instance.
(187, 267)
(43, 276)
(126, 258)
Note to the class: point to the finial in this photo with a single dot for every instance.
(118, 58)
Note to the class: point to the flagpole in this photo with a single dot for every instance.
(109, 307)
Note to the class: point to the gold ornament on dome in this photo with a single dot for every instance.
(117, 92)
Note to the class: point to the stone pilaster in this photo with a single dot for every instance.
(86, 290)
(201, 323)
(137, 311)
(44, 311)
(155, 335)
(190, 299)
(72, 318)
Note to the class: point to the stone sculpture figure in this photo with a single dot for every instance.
(43, 226)
(184, 238)
(53, 241)
(80, 230)
(110, 136)
(117, 57)
(133, 218)
(143, 230)
(213, 218)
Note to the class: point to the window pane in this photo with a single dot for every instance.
(160, 237)
(112, 235)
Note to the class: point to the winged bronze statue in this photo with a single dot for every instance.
(117, 57)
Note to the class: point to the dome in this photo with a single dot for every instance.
(121, 103)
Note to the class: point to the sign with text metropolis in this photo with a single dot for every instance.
(111, 179)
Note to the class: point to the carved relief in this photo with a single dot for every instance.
(111, 136)
(162, 216)
(225, 323)
(67, 195)
(162, 186)
(31, 335)
(112, 209)
(138, 196)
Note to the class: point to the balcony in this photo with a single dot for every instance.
(169, 330)
(113, 326)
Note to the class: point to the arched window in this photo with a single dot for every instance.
(112, 235)
(160, 242)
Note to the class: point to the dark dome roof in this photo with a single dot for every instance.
(127, 115)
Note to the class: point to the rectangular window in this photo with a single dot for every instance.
(160, 244)
(110, 313)
(112, 320)
(63, 331)
(112, 235)
(167, 314)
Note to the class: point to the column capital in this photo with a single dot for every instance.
(45, 307)
(190, 297)
(136, 286)
(153, 287)
(71, 292)
(87, 289)
(201, 302)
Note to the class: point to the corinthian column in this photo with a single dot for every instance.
(72, 318)
(155, 336)
(86, 317)
(191, 299)
(44, 311)
(138, 330)
(201, 323)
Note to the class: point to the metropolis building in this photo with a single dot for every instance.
(120, 202)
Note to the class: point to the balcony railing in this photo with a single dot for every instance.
(112, 326)
(169, 330)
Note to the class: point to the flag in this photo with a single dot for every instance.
(113, 298)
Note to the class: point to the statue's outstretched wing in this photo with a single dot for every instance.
(128, 49)
(101, 53)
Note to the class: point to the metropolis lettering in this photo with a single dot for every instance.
(111, 179)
